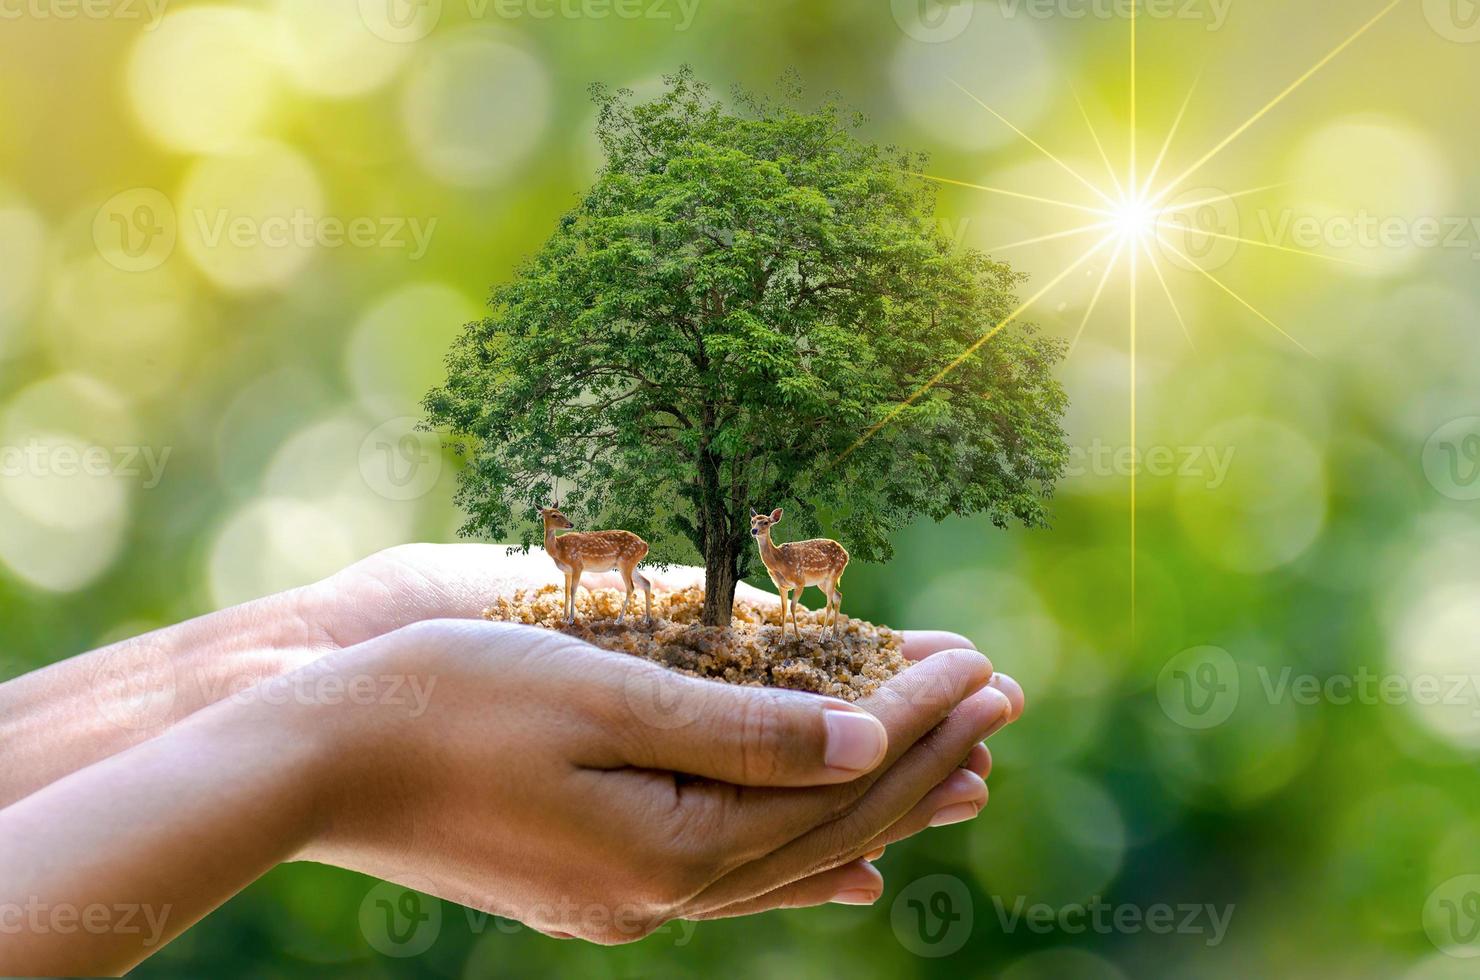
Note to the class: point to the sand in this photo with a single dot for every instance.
(751, 651)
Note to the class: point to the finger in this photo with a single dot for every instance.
(908, 706)
(893, 796)
(742, 736)
(1014, 692)
(919, 644)
(979, 760)
(977, 763)
(855, 883)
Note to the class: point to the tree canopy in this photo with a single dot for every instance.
(743, 293)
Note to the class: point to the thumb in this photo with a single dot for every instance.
(748, 736)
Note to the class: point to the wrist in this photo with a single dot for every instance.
(362, 712)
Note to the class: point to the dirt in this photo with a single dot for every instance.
(752, 651)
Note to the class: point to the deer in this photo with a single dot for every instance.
(597, 551)
(798, 564)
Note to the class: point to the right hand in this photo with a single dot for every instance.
(594, 794)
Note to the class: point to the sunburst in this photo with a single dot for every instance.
(1131, 214)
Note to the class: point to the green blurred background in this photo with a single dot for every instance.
(236, 239)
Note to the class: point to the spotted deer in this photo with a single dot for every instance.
(596, 551)
(798, 564)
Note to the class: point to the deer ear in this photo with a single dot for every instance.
(754, 512)
(775, 515)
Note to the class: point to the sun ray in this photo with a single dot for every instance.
(1176, 311)
(976, 345)
(1006, 193)
(1095, 299)
(1171, 135)
(1224, 197)
(1039, 147)
(1242, 302)
(1270, 106)
(1131, 179)
(1134, 263)
(1109, 167)
(1270, 245)
(1048, 238)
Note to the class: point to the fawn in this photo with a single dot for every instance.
(598, 551)
(798, 564)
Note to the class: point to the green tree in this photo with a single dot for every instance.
(740, 297)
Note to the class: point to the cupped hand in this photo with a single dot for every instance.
(594, 794)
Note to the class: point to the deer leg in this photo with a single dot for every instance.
(647, 588)
(627, 581)
(785, 597)
(572, 582)
(796, 600)
(837, 606)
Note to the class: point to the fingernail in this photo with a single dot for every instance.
(855, 741)
(999, 709)
(1012, 690)
(855, 896)
(955, 813)
(874, 855)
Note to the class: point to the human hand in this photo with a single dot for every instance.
(484, 799)
(595, 794)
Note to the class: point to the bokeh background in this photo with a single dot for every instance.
(236, 239)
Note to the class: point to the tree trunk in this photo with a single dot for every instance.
(721, 575)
